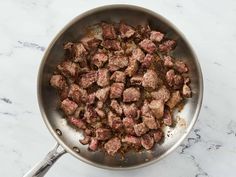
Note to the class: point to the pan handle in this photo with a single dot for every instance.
(41, 168)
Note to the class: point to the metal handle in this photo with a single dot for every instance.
(41, 168)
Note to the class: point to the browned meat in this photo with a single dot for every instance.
(156, 36)
(147, 141)
(108, 31)
(126, 31)
(136, 80)
(145, 110)
(90, 43)
(111, 44)
(58, 82)
(99, 59)
(103, 77)
(167, 46)
(167, 119)
(147, 61)
(170, 77)
(68, 69)
(150, 79)
(157, 135)
(100, 113)
(186, 91)
(150, 122)
(140, 129)
(131, 94)
(116, 90)
(91, 98)
(114, 121)
(157, 108)
(103, 134)
(174, 100)
(178, 81)
(118, 76)
(129, 139)
(181, 67)
(148, 45)
(77, 122)
(102, 94)
(88, 79)
(130, 110)
(138, 54)
(100, 104)
(132, 68)
(112, 146)
(168, 61)
(80, 52)
(117, 62)
(161, 94)
(116, 107)
(93, 146)
(90, 115)
(88, 131)
(68, 106)
(86, 140)
(77, 94)
(129, 123)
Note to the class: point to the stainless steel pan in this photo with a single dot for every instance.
(67, 138)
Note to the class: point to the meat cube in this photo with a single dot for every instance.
(132, 68)
(77, 94)
(118, 76)
(68, 69)
(77, 122)
(88, 79)
(147, 61)
(145, 110)
(150, 122)
(86, 140)
(140, 129)
(88, 131)
(147, 141)
(157, 108)
(186, 91)
(90, 115)
(116, 107)
(102, 94)
(114, 121)
(167, 119)
(136, 80)
(79, 52)
(100, 112)
(170, 77)
(90, 43)
(168, 61)
(64, 93)
(161, 94)
(99, 59)
(91, 98)
(117, 62)
(131, 94)
(112, 146)
(103, 77)
(130, 46)
(181, 67)
(93, 146)
(150, 79)
(167, 46)
(129, 139)
(116, 90)
(148, 46)
(103, 134)
(138, 54)
(111, 45)
(174, 100)
(128, 123)
(156, 36)
(126, 31)
(108, 31)
(130, 110)
(58, 82)
(68, 106)
(157, 135)
(178, 81)
(99, 104)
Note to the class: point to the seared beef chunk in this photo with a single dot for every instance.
(174, 99)
(157, 108)
(68, 69)
(129, 123)
(93, 146)
(103, 79)
(118, 76)
(148, 46)
(78, 94)
(167, 46)
(114, 121)
(147, 61)
(161, 94)
(150, 122)
(140, 129)
(167, 119)
(99, 59)
(58, 82)
(68, 106)
(86, 140)
(157, 135)
(88, 79)
(150, 79)
(181, 67)
(156, 36)
(130, 110)
(132, 68)
(103, 134)
(126, 31)
(132, 140)
(186, 91)
(111, 44)
(102, 94)
(108, 31)
(116, 107)
(168, 61)
(147, 141)
(112, 146)
(131, 94)
(77, 122)
(117, 62)
(138, 54)
(116, 90)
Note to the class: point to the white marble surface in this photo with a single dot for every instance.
(27, 27)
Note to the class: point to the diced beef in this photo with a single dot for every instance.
(161, 94)
(178, 81)
(64, 93)
(150, 122)
(88, 131)
(136, 80)
(116, 90)
(91, 98)
(77, 122)
(157, 108)
(168, 61)
(112, 146)
(167, 119)
(140, 129)
(129, 139)
(108, 31)
(68, 106)
(102, 94)
(148, 46)
(126, 31)
(90, 114)
(138, 54)
(147, 141)
(117, 62)
(103, 77)
(68, 69)
(150, 79)
(103, 134)
(90, 43)
(88, 79)
(170, 77)
(186, 91)
(130, 46)
(100, 113)
(131, 94)
(77, 94)
(174, 100)
(100, 104)
(99, 59)
(116, 107)
(58, 81)
(167, 46)
(147, 61)
(93, 146)
(181, 67)
(114, 121)
(132, 68)
(156, 36)
(118, 76)
(130, 110)
(145, 110)
(79, 52)
(157, 135)
(129, 123)
(111, 44)
(86, 140)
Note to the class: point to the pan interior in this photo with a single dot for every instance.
(48, 99)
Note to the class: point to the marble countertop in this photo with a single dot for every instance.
(28, 26)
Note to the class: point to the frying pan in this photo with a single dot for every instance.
(68, 138)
